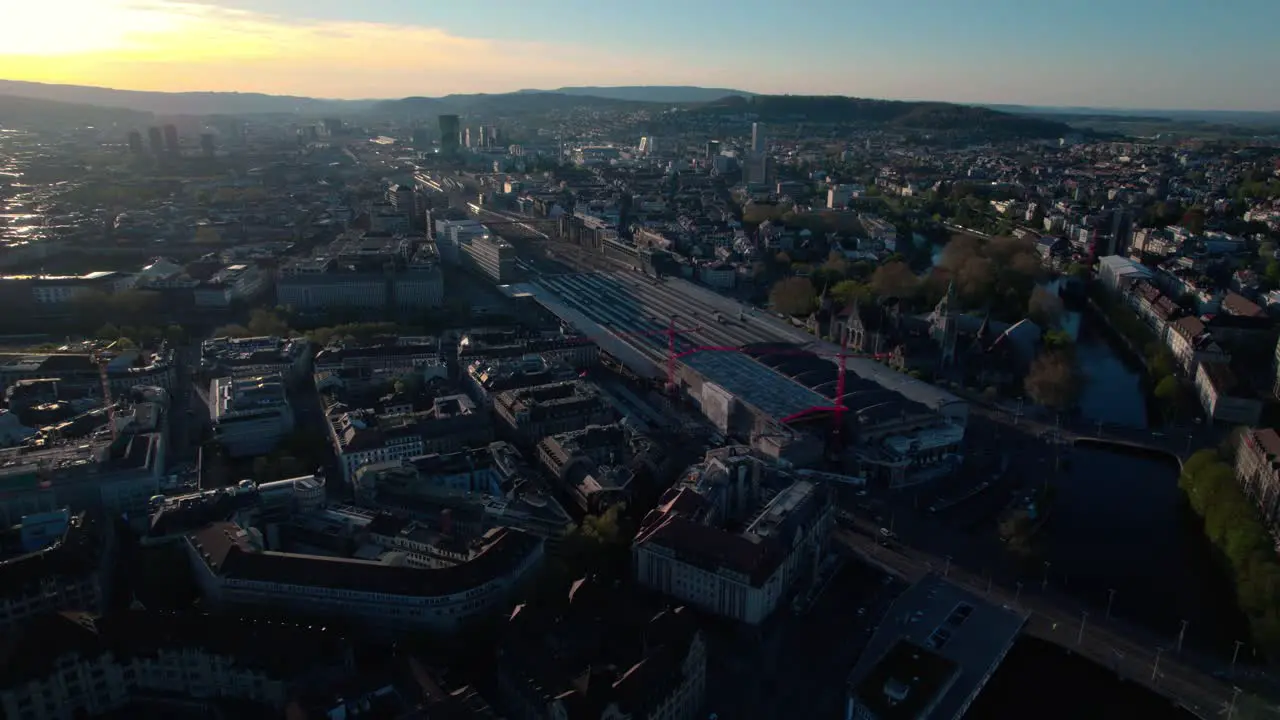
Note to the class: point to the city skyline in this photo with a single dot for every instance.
(1123, 54)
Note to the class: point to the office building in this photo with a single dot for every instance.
(757, 138)
(713, 149)
(489, 255)
(487, 377)
(250, 414)
(935, 651)
(53, 290)
(171, 145)
(530, 414)
(135, 142)
(472, 491)
(247, 503)
(261, 355)
(207, 144)
(388, 357)
(578, 351)
(686, 550)
(69, 665)
(54, 561)
(155, 141)
(601, 652)
(361, 437)
(600, 465)
(379, 590)
(450, 133)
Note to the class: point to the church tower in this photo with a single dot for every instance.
(943, 326)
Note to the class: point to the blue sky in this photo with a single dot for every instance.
(1117, 53)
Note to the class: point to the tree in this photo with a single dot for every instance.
(266, 322)
(894, 279)
(175, 335)
(1045, 308)
(108, 332)
(1053, 380)
(1170, 394)
(793, 296)
(233, 331)
(846, 292)
(1267, 250)
(1078, 270)
(1058, 340)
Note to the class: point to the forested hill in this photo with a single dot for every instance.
(906, 115)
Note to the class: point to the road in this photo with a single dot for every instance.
(1129, 651)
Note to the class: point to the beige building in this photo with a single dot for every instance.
(1258, 471)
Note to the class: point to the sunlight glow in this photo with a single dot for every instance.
(165, 45)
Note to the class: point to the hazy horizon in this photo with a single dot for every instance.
(1122, 54)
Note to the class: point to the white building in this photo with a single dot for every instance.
(682, 550)
(1116, 272)
(333, 290)
(250, 414)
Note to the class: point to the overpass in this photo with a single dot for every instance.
(1157, 663)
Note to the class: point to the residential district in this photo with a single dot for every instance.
(566, 408)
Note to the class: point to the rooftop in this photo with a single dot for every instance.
(953, 636)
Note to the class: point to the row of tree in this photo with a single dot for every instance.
(1233, 525)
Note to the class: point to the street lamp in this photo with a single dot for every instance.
(1155, 669)
(1111, 598)
(1235, 654)
(1017, 594)
(1084, 615)
(946, 570)
(1044, 584)
(1181, 634)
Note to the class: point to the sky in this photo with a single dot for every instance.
(1186, 54)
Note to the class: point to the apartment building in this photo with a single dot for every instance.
(486, 378)
(1224, 396)
(492, 485)
(598, 465)
(1191, 344)
(250, 414)
(54, 561)
(387, 593)
(602, 652)
(68, 665)
(532, 413)
(60, 289)
(362, 437)
(1258, 471)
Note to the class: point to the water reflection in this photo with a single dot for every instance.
(1119, 523)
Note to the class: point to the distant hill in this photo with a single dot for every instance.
(517, 103)
(934, 116)
(1222, 117)
(24, 111)
(184, 103)
(674, 94)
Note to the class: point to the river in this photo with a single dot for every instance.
(1119, 523)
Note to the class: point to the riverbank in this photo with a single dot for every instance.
(1245, 550)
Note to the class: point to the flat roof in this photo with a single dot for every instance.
(948, 621)
(907, 682)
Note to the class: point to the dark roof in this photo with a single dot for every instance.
(605, 644)
(906, 683)
(282, 650)
(77, 554)
(228, 552)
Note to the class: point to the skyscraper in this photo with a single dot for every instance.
(757, 137)
(135, 142)
(207, 144)
(171, 139)
(155, 140)
(449, 129)
(466, 137)
(713, 148)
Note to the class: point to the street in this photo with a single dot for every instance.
(1050, 615)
